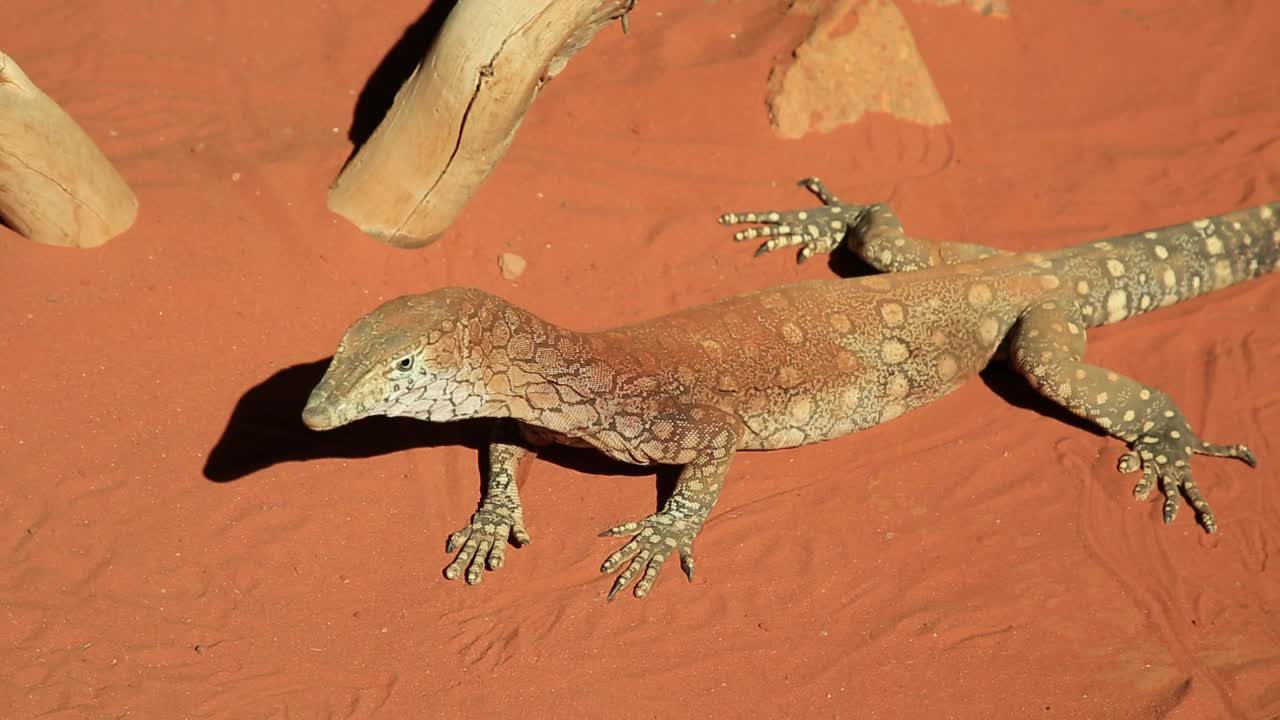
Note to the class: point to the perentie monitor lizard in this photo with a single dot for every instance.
(790, 365)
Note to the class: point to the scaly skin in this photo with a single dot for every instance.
(790, 365)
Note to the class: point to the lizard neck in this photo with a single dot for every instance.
(534, 371)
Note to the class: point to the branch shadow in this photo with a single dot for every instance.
(265, 429)
(396, 66)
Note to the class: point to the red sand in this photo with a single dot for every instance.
(974, 559)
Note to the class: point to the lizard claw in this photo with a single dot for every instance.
(816, 230)
(656, 538)
(483, 542)
(1164, 459)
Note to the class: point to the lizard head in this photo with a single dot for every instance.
(407, 357)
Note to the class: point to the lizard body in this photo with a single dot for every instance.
(790, 365)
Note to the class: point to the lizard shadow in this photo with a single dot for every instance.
(265, 428)
(1014, 389)
(396, 66)
(844, 263)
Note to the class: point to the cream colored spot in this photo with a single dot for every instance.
(1168, 278)
(1150, 235)
(1117, 305)
(849, 398)
(1213, 244)
(1080, 374)
(946, 367)
(1103, 245)
(791, 437)
(1115, 267)
(800, 409)
(1101, 399)
(1222, 275)
(1145, 394)
(1265, 212)
(987, 329)
(774, 301)
(891, 411)
(897, 387)
(1200, 224)
(792, 334)
(1128, 415)
(840, 323)
(979, 294)
(802, 215)
(892, 313)
(1073, 328)
(1147, 425)
(1162, 252)
(1049, 282)
(1082, 287)
(629, 425)
(1144, 302)
(894, 351)
(1112, 376)
(788, 376)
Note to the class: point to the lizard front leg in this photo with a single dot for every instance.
(873, 231)
(500, 517)
(1046, 346)
(705, 443)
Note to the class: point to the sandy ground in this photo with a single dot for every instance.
(176, 544)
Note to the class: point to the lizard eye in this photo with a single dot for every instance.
(405, 364)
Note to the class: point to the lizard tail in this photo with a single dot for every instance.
(1132, 274)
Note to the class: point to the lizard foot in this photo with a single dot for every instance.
(1165, 458)
(484, 540)
(817, 230)
(656, 537)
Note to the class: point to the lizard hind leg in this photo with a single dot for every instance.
(873, 233)
(1047, 345)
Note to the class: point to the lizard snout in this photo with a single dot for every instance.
(317, 415)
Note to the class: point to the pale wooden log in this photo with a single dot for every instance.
(56, 186)
(455, 117)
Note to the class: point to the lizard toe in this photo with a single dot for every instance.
(656, 538)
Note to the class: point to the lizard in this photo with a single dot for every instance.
(789, 365)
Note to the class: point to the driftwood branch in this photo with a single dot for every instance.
(56, 186)
(455, 117)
